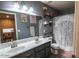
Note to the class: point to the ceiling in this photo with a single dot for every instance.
(60, 5)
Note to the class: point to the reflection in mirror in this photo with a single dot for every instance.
(7, 27)
(35, 25)
(27, 25)
(24, 26)
(32, 31)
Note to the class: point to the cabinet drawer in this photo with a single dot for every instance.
(27, 54)
(39, 48)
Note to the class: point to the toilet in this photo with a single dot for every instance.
(55, 47)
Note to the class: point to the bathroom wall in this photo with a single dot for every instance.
(23, 27)
(37, 6)
(68, 11)
(63, 31)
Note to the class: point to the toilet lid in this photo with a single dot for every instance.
(56, 46)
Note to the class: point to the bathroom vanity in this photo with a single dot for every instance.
(37, 52)
(30, 49)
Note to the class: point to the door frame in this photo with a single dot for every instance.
(15, 20)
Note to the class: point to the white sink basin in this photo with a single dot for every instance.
(6, 51)
(3, 55)
(3, 52)
(16, 49)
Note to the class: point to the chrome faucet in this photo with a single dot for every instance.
(13, 44)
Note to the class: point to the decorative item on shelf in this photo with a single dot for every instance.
(50, 24)
(46, 13)
(44, 8)
(45, 23)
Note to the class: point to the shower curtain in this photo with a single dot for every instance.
(63, 31)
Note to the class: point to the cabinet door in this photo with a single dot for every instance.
(48, 44)
(39, 48)
(40, 54)
(48, 51)
(40, 51)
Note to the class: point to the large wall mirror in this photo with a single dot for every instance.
(16, 26)
(7, 27)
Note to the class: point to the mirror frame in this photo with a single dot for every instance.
(8, 12)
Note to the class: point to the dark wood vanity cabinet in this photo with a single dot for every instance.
(41, 51)
(47, 49)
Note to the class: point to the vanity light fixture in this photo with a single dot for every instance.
(16, 5)
(21, 5)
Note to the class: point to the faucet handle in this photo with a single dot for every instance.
(13, 44)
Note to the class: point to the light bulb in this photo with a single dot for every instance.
(31, 9)
(7, 16)
(16, 5)
(25, 8)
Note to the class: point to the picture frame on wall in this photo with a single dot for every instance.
(32, 19)
(24, 18)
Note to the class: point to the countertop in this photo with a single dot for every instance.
(22, 47)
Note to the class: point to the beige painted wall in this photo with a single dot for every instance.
(76, 29)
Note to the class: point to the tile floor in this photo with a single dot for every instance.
(63, 54)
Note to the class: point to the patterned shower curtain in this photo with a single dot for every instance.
(63, 31)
